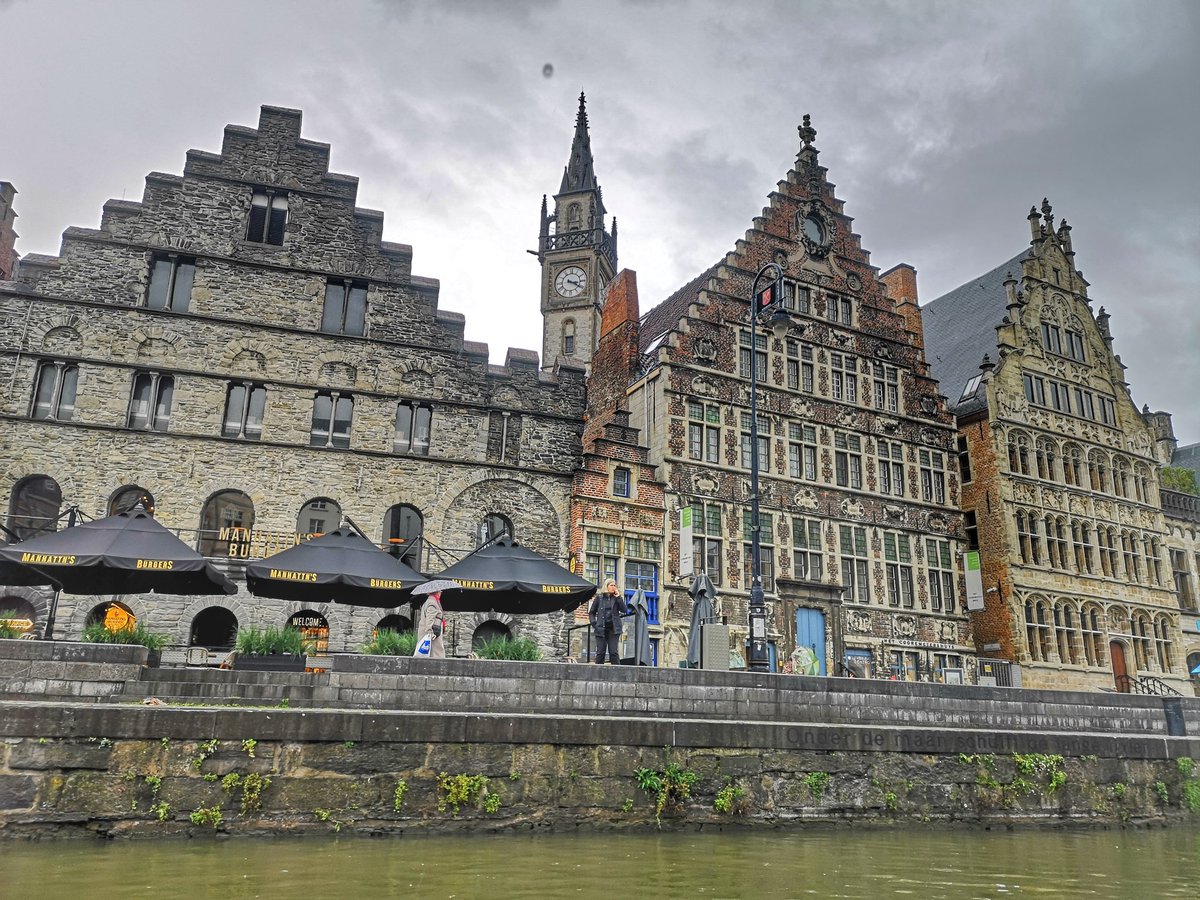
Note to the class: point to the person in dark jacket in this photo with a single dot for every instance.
(605, 614)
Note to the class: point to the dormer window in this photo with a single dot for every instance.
(268, 216)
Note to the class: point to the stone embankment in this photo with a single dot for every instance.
(391, 746)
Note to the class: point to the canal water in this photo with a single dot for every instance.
(1139, 865)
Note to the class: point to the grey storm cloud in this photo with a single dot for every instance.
(941, 124)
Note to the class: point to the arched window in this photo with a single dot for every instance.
(1093, 636)
(1056, 542)
(1143, 641)
(568, 337)
(1018, 454)
(1065, 633)
(1133, 569)
(1106, 537)
(1153, 553)
(225, 525)
(34, 506)
(574, 217)
(1037, 630)
(313, 627)
(1193, 661)
(1162, 642)
(1098, 471)
(215, 628)
(492, 526)
(402, 529)
(489, 631)
(112, 615)
(1141, 483)
(394, 622)
(318, 516)
(1072, 465)
(1044, 454)
(126, 498)
(1082, 533)
(1120, 473)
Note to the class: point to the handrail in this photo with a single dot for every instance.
(1145, 684)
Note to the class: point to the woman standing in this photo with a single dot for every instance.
(605, 614)
(432, 621)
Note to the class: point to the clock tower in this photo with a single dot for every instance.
(578, 256)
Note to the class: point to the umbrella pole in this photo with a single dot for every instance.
(48, 633)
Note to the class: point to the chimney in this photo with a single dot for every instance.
(615, 362)
(901, 283)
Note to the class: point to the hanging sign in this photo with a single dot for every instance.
(974, 580)
(687, 562)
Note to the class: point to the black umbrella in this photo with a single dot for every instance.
(506, 577)
(12, 573)
(703, 611)
(129, 553)
(341, 566)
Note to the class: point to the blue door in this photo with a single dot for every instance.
(810, 633)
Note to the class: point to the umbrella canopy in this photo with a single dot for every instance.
(703, 594)
(12, 573)
(340, 566)
(506, 577)
(129, 553)
(436, 586)
(642, 654)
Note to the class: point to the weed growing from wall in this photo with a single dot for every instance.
(817, 783)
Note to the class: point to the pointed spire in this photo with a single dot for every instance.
(544, 228)
(579, 174)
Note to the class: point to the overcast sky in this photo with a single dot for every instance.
(941, 123)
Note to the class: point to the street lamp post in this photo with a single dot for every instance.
(769, 298)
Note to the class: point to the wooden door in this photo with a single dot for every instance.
(1116, 652)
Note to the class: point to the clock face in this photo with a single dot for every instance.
(571, 281)
(814, 230)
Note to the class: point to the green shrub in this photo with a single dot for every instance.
(1185, 764)
(6, 630)
(731, 800)
(136, 634)
(521, 649)
(672, 786)
(392, 643)
(1191, 795)
(270, 640)
(817, 783)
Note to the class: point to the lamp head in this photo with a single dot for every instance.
(780, 323)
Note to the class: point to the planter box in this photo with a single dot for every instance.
(272, 663)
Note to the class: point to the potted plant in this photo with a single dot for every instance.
(391, 643)
(270, 649)
(137, 634)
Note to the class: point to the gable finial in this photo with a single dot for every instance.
(808, 134)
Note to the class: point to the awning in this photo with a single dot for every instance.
(506, 577)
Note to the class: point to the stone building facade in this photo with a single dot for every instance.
(243, 352)
(1060, 471)
(8, 232)
(860, 530)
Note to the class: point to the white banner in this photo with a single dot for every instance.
(687, 562)
(974, 580)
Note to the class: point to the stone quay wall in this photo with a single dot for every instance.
(499, 746)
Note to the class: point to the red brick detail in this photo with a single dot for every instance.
(901, 283)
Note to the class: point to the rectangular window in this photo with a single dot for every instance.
(891, 468)
(602, 553)
(764, 443)
(244, 407)
(766, 540)
(332, 414)
(1084, 404)
(844, 380)
(1074, 345)
(964, 460)
(54, 392)
(886, 386)
(933, 476)
(837, 309)
(847, 460)
(171, 279)
(802, 451)
(1108, 413)
(1051, 338)
(345, 308)
(621, 482)
(807, 556)
(853, 545)
(1060, 397)
(706, 538)
(704, 432)
(941, 575)
(796, 298)
(897, 554)
(414, 425)
(1035, 389)
(760, 355)
(971, 529)
(1183, 580)
(150, 403)
(268, 216)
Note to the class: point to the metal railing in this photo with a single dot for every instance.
(1145, 684)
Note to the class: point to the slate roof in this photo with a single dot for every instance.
(1188, 457)
(960, 327)
(665, 316)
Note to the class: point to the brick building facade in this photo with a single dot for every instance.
(1061, 475)
(243, 351)
(860, 529)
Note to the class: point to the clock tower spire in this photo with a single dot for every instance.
(578, 254)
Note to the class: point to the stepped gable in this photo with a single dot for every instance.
(666, 315)
(960, 327)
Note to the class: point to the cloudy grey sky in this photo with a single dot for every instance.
(941, 124)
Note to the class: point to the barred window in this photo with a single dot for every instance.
(852, 542)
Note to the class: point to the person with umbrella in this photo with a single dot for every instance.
(432, 620)
(605, 615)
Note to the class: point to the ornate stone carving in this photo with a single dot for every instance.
(893, 513)
(948, 632)
(702, 387)
(883, 351)
(937, 522)
(858, 621)
(904, 627)
(852, 509)
(806, 498)
(705, 349)
(853, 282)
(706, 484)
